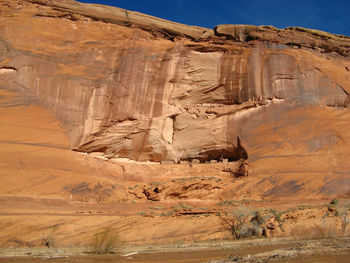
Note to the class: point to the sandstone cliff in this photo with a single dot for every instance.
(105, 111)
(128, 85)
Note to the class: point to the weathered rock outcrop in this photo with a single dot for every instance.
(90, 95)
(133, 86)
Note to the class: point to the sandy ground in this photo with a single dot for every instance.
(321, 250)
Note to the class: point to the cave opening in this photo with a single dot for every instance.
(230, 153)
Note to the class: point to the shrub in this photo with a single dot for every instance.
(342, 212)
(334, 202)
(156, 207)
(242, 222)
(106, 242)
(322, 229)
(182, 206)
(169, 213)
(142, 213)
(48, 240)
(155, 183)
(227, 203)
(277, 215)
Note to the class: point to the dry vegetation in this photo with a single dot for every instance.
(300, 223)
(243, 222)
(106, 242)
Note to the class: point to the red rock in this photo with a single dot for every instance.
(119, 84)
(128, 85)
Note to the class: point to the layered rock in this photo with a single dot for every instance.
(246, 113)
(132, 86)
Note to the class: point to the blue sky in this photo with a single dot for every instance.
(327, 15)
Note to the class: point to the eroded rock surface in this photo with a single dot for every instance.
(128, 85)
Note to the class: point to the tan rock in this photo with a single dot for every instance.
(145, 109)
(127, 85)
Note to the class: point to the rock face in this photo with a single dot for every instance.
(132, 86)
(105, 111)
